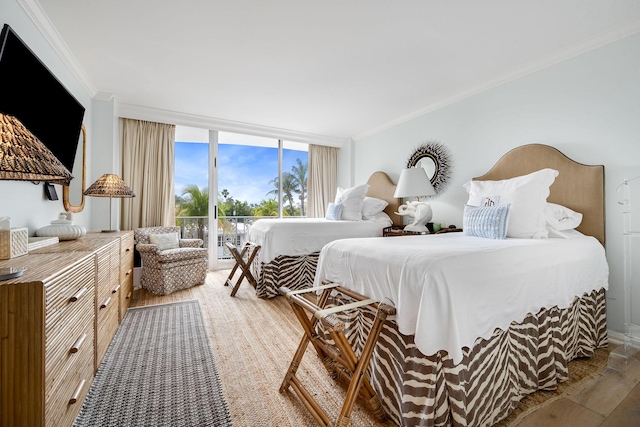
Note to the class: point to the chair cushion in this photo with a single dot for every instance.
(181, 254)
(165, 241)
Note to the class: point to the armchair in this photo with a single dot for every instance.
(165, 267)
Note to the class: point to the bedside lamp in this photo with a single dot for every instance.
(414, 182)
(109, 185)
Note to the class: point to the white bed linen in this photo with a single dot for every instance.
(303, 236)
(449, 289)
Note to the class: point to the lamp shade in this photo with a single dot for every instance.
(109, 185)
(414, 182)
(24, 158)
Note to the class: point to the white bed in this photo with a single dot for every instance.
(290, 246)
(468, 286)
(481, 323)
(301, 236)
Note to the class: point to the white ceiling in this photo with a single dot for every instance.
(338, 68)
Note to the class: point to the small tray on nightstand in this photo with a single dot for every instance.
(396, 230)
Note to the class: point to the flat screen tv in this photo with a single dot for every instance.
(32, 94)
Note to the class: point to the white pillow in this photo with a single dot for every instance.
(351, 200)
(564, 234)
(165, 240)
(561, 217)
(382, 218)
(372, 206)
(527, 195)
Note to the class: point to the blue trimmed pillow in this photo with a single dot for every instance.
(489, 222)
(334, 211)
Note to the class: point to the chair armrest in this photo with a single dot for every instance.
(191, 243)
(148, 247)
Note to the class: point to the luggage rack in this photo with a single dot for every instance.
(338, 357)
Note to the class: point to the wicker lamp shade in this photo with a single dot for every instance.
(109, 185)
(24, 158)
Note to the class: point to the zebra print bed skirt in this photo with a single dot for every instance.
(419, 390)
(296, 272)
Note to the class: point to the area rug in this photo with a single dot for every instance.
(158, 371)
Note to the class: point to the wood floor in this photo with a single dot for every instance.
(609, 400)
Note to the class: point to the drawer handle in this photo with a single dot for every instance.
(104, 304)
(129, 295)
(127, 250)
(76, 394)
(78, 343)
(114, 290)
(128, 272)
(78, 294)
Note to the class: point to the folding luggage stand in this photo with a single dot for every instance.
(250, 250)
(339, 358)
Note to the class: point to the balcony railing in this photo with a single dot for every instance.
(232, 229)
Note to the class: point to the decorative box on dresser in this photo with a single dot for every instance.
(56, 323)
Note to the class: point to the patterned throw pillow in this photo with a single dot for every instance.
(334, 211)
(165, 241)
(489, 222)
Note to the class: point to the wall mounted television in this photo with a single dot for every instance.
(31, 93)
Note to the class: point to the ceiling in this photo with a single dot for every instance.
(337, 68)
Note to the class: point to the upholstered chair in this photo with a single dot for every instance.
(169, 263)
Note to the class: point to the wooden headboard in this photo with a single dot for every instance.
(578, 187)
(381, 187)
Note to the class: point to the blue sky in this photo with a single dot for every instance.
(243, 170)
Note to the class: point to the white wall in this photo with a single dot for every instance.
(25, 202)
(588, 107)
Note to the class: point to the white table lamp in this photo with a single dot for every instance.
(414, 182)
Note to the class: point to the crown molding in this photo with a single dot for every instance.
(165, 116)
(624, 31)
(50, 33)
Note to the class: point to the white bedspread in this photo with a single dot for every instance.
(302, 236)
(449, 289)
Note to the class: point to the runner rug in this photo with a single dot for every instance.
(158, 371)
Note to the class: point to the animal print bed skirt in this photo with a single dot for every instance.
(419, 390)
(294, 272)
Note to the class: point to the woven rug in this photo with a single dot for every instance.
(158, 371)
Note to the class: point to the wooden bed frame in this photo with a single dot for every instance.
(497, 372)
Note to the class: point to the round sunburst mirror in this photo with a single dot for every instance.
(436, 161)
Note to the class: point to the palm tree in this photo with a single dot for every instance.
(267, 208)
(195, 202)
(299, 176)
(288, 188)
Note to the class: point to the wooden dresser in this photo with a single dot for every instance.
(56, 323)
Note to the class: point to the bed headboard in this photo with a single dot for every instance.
(578, 187)
(381, 187)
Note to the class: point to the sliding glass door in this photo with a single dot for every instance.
(239, 179)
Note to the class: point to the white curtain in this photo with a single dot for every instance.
(147, 168)
(322, 179)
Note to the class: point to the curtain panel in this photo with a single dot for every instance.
(148, 168)
(322, 179)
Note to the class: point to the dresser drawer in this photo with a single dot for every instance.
(108, 267)
(64, 395)
(64, 292)
(61, 337)
(106, 325)
(126, 295)
(126, 254)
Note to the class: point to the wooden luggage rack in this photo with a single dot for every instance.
(339, 358)
(250, 250)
